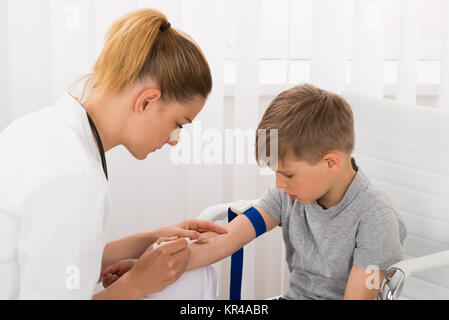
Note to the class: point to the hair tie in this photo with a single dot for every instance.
(164, 27)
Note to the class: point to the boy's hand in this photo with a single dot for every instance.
(115, 271)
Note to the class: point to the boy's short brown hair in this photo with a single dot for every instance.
(310, 122)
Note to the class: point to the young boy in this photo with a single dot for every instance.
(337, 227)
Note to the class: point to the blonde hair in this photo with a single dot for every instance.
(142, 45)
(310, 122)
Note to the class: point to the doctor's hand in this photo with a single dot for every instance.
(190, 229)
(112, 273)
(158, 268)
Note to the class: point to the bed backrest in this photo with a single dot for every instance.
(404, 149)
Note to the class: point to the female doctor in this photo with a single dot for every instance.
(149, 81)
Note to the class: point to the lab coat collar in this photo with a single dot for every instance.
(69, 110)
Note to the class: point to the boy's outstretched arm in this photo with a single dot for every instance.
(220, 246)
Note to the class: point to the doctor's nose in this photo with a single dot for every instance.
(172, 143)
(174, 138)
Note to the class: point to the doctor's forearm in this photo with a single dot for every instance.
(130, 247)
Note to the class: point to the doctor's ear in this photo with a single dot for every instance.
(147, 98)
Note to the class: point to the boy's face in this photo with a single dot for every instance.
(302, 181)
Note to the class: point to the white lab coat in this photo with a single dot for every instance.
(54, 200)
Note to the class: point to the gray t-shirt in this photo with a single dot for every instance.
(321, 245)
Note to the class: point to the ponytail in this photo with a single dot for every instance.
(142, 44)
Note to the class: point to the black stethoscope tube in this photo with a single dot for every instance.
(100, 145)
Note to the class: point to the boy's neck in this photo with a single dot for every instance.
(337, 192)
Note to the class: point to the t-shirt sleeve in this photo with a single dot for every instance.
(61, 237)
(379, 240)
(271, 202)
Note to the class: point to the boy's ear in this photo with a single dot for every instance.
(333, 161)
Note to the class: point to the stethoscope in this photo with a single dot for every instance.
(100, 146)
